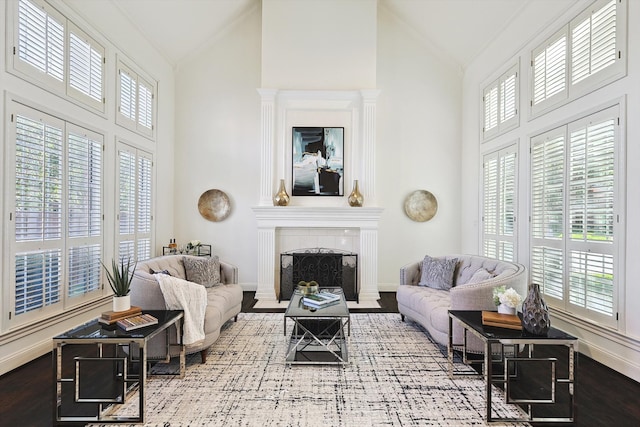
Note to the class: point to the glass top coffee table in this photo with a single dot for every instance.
(318, 336)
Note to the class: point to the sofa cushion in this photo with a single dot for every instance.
(202, 270)
(480, 276)
(438, 273)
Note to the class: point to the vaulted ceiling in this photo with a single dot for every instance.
(460, 29)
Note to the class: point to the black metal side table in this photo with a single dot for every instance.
(105, 366)
(510, 344)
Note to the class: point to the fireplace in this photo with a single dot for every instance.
(330, 268)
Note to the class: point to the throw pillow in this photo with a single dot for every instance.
(152, 271)
(438, 273)
(202, 270)
(480, 276)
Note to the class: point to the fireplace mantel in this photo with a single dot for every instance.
(326, 216)
(272, 218)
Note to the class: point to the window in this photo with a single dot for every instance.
(584, 55)
(574, 236)
(499, 204)
(57, 219)
(500, 100)
(136, 96)
(52, 51)
(135, 176)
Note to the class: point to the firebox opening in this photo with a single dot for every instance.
(331, 268)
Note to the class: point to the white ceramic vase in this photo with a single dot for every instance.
(122, 303)
(505, 309)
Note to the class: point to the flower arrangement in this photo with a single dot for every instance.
(508, 297)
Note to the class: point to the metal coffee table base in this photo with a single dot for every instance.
(318, 341)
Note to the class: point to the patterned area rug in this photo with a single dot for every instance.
(396, 377)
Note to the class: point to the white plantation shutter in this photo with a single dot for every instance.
(549, 70)
(136, 101)
(145, 104)
(593, 39)
(128, 95)
(135, 178)
(57, 54)
(490, 109)
(499, 203)
(591, 213)
(57, 200)
(40, 40)
(586, 54)
(86, 66)
(573, 225)
(500, 99)
(38, 205)
(547, 212)
(84, 210)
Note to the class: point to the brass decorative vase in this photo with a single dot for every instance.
(535, 313)
(281, 198)
(356, 198)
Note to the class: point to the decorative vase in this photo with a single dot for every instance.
(281, 198)
(122, 303)
(535, 313)
(355, 198)
(505, 309)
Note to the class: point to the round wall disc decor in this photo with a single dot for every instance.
(214, 205)
(420, 205)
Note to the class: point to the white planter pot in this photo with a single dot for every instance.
(505, 309)
(122, 303)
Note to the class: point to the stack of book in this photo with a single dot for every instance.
(509, 321)
(111, 317)
(137, 322)
(320, 300)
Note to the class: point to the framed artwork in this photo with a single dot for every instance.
(318, 161)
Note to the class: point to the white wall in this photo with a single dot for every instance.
(218, 143)
(418, 144)
(308, 44)
(619, 349)
(118, 36)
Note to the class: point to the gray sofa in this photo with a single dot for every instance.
(429, 307)
(223, 302)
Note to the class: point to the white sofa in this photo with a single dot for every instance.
(224, 301)
(429, 307)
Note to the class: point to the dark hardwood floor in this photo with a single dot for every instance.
(603, 396)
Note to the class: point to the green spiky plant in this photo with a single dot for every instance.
(120, 276)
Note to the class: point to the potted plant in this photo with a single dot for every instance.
(120, 277)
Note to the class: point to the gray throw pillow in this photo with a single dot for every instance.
(438, 273)
(202, 270)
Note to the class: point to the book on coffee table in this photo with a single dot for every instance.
(509, 321)
(321, 299)
(111, 317)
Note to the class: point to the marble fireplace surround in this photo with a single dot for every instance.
(355, 110)
(360, 224)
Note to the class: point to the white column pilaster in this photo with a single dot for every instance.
(266, 264)
(369, 265)
(368, 149)
(267, 135)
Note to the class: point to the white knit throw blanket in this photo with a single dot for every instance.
(191, 297)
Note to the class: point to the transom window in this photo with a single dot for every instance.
(53, 52)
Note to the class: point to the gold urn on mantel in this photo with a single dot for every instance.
(356, 199)
(281, 198)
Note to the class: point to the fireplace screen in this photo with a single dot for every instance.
(331, 268)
